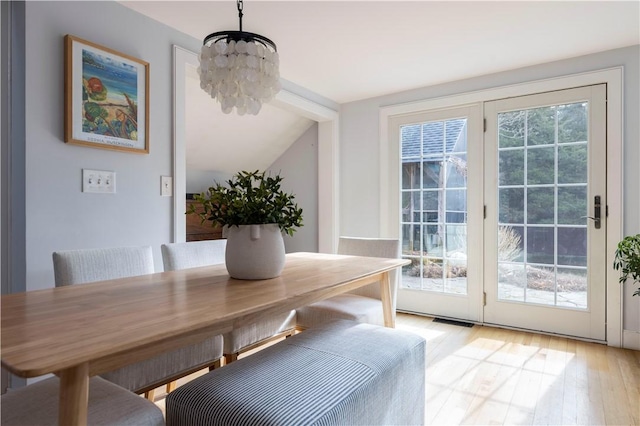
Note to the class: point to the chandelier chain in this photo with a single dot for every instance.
(240, 8)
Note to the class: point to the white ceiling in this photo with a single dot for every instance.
(352, 50)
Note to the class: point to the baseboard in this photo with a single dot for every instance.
(631, 339)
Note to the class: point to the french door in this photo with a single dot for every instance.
(441, 211)
(545, 180)
(506, 226)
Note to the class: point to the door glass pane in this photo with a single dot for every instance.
(571, 161)
(433, 240)
(457, 176)
(540, 244)
(572, 123)
(410, 174)
(511, 129)
(512, 279)
(510, 243)
(541, 285)
(542, 205)
(432, 174)
(539, 162)
(410, 213)
(572, 287)
(431, 201)
(572, 246)
(572, 205)
(540, 126)
(511, 167)
(511, 205)
(434, 231)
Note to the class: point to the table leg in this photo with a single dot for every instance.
(385, 292)
(74, 395)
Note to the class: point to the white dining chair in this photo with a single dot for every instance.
(108, 404)
(211, 252)
(73, 267)
(362, 304)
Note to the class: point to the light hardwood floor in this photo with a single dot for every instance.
(486, 375)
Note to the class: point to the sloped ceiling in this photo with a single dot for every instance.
(228, 142)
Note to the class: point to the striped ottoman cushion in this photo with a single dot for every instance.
(339, 373)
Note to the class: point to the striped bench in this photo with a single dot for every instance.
(339, 373)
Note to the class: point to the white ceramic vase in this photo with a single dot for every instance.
(254, 252)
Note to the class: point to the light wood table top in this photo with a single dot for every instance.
(83, 330)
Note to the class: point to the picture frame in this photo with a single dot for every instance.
(106, 98)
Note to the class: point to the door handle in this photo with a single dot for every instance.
(597, 209)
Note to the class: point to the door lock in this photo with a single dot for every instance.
(597, 212)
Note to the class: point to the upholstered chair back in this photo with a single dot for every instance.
(90, 265)
(373, 247)
(193, 254)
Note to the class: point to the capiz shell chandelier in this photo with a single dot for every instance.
(239, 69)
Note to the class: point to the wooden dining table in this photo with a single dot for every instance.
(84, 330)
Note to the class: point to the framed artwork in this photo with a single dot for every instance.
(106, 98)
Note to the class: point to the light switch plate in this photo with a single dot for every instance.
(166, 186)
(99, 181)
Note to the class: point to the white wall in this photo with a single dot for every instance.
(359, 152)
(199, 181)
(299, 168)
(58, 215)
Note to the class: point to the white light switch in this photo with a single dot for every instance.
(99, 181)
(166, 186)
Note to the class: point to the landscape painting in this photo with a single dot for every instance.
(106, 97)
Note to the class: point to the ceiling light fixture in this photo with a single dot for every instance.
(239, 69)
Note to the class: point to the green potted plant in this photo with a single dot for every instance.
(628, 259)
(255, 212)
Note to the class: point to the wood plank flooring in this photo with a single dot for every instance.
(485, 376)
